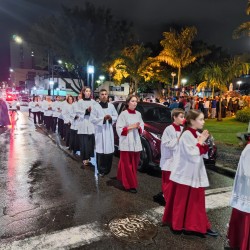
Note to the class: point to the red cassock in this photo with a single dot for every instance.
(165, 181)
(127, 169)
(239, 230)
(185, 208)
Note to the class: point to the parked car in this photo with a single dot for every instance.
(156, 118)
(13, 104)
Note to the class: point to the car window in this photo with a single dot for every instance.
(156, 114)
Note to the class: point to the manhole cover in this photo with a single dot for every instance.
(133, 228)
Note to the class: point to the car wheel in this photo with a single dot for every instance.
(143, 163)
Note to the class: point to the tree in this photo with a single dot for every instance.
(133, 63)
(78, 36)
(177, 49)
(244, 28)
(213, 77)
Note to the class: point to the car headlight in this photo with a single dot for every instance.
(157, 136)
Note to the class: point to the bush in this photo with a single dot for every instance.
(243, 115)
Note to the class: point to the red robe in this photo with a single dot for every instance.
(239, 230)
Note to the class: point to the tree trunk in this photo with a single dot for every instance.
(131, 88)
(179, 81)
(136, 87)
(219, 113)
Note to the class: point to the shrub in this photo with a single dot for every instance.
(243, 115)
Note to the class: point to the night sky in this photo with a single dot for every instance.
(215, 19)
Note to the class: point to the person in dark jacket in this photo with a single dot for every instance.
(230, 107)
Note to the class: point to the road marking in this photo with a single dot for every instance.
(64, 239)
(89, 233)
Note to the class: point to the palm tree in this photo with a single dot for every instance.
(213, 77)
(177, 49)
(244, 28)
(132, 63)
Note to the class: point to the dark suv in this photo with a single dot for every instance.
(156, 118)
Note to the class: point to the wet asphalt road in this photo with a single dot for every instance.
(43, 190)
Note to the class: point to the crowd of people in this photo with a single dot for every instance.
(208, 105)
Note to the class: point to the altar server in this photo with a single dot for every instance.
(129, 126)
(67, 107)
(239, 225)
(185, 207)
(56, 112)
(85, 129)
(74, 137)
(169, 144)
(48, 112)
(103, 116)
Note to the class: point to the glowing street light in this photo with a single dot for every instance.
(183, 81)
(239, 83)
(17, 39)
(60, 61)
(102, 78)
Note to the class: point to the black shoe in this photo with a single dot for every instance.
(201, 235)
(212, 233)
(159, 198)
(176, 232)
(132, 190)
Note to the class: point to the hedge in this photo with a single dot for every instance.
(243, 115)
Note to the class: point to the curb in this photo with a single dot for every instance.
(219, 168)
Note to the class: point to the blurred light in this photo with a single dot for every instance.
(34, 88)
(17, 39)
(60, 61)
(51, 82)
(90, 69)
(102, 78)
(11, 70)
(239, 82)
(183, 81)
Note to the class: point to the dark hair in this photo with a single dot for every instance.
(175, 112)
(34, 97)
(83, 90)
(69, 97)
(191, 115)
(103, 90)
(129, 98)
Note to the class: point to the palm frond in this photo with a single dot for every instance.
(242, 31)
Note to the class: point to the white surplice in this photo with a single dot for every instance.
(84, 126)
(104, 135)
(241, 190)
(188, 165)
(169, 144)
(132, 141)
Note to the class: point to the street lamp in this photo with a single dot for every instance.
(239, 83)
(183, 81)
(17, 39)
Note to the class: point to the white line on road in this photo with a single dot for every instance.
(86, 234)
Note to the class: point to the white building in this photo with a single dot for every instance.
(118, 92)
